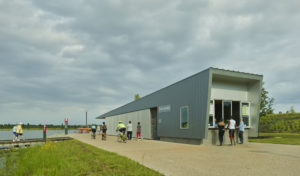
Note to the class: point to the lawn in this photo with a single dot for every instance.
(68, 158)
(278, 138)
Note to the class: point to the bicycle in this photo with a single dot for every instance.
(103, 136)
(93, 135)
(121, 137)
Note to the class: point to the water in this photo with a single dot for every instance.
(29, 134)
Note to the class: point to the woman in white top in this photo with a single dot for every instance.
(231, 126)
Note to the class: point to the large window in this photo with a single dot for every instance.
(184, 117)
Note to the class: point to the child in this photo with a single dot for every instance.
(138, 131)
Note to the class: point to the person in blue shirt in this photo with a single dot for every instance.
(241, 131)
(94, 128)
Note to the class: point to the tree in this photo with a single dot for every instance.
(266, 103)
(136, 96)
(292, 110)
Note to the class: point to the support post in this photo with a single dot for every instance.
(44, 133)
(86, 125)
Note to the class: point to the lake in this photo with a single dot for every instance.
(29, 134)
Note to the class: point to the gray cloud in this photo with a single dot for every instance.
(61, 58)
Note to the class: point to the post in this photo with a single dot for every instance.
(44, 132)
(66, 126)
(86, 119)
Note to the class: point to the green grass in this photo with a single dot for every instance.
(69, 158)
(278, 138)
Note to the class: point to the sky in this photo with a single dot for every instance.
(59, 59)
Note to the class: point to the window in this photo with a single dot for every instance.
(184, 117)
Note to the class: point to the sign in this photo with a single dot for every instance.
(164, 108)
(44, 129)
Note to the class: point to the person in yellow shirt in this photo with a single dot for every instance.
(20, 131)
(121, 127)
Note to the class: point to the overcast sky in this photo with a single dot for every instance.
(62, 58)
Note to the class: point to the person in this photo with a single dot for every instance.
(98, 129)
(15, 133)
(104, 128)
(231, 126)
(121, 127)
(241, 131)
(129, 130)
(221, 127)
(20, 130)
(138, 131)
(94, 128)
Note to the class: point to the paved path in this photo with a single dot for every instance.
(185, 160)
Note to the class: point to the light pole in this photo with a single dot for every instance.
(86, 125)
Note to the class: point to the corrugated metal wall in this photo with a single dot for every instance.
(143, 116)
(192, 92)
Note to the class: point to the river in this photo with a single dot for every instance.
(29, 134)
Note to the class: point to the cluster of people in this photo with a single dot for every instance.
(123, 129)
(99, 128)
(18, 131)
(231, 126)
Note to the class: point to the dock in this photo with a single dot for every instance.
(6, 144)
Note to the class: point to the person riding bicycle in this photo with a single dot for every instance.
(121, 127)
(104, 128)
(94, 128)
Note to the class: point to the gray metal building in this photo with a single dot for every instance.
(188, 110)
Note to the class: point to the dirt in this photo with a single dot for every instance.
(184, 159)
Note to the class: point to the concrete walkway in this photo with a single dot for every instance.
(188, 160)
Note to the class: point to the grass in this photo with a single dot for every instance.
(69, 158)
(278, 138)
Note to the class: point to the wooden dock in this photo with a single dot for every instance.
(6, 144)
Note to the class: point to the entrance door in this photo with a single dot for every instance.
(218, 110)
(154, 123)
(236, 111)
(227, 111)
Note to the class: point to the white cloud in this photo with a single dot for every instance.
(72, 56)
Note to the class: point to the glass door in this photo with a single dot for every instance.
(227, 111)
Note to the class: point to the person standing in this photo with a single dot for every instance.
(104, 129)
(98, 129)
(231, 126)
(15, 133)
(20, 130)
(129, 130)
(221, 127)
(241, 131)
(138, 131)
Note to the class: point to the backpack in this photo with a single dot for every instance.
(104, 127)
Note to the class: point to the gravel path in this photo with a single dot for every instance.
(185, 160)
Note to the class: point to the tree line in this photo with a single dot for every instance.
(35, 126)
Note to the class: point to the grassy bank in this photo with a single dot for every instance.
(69, 158)
(278, 138)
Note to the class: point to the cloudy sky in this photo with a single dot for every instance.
(62, 58)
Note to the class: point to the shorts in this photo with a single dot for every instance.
(19, 134)
(15, 133)
(103, 131)
(94, 130)
(231, 133)
(138, 134)
(122, 130)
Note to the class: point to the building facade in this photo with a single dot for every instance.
(188, 110)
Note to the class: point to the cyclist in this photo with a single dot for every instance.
(122, 128)
(104, 128)
(94, 128)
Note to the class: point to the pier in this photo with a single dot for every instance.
(6, 144)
